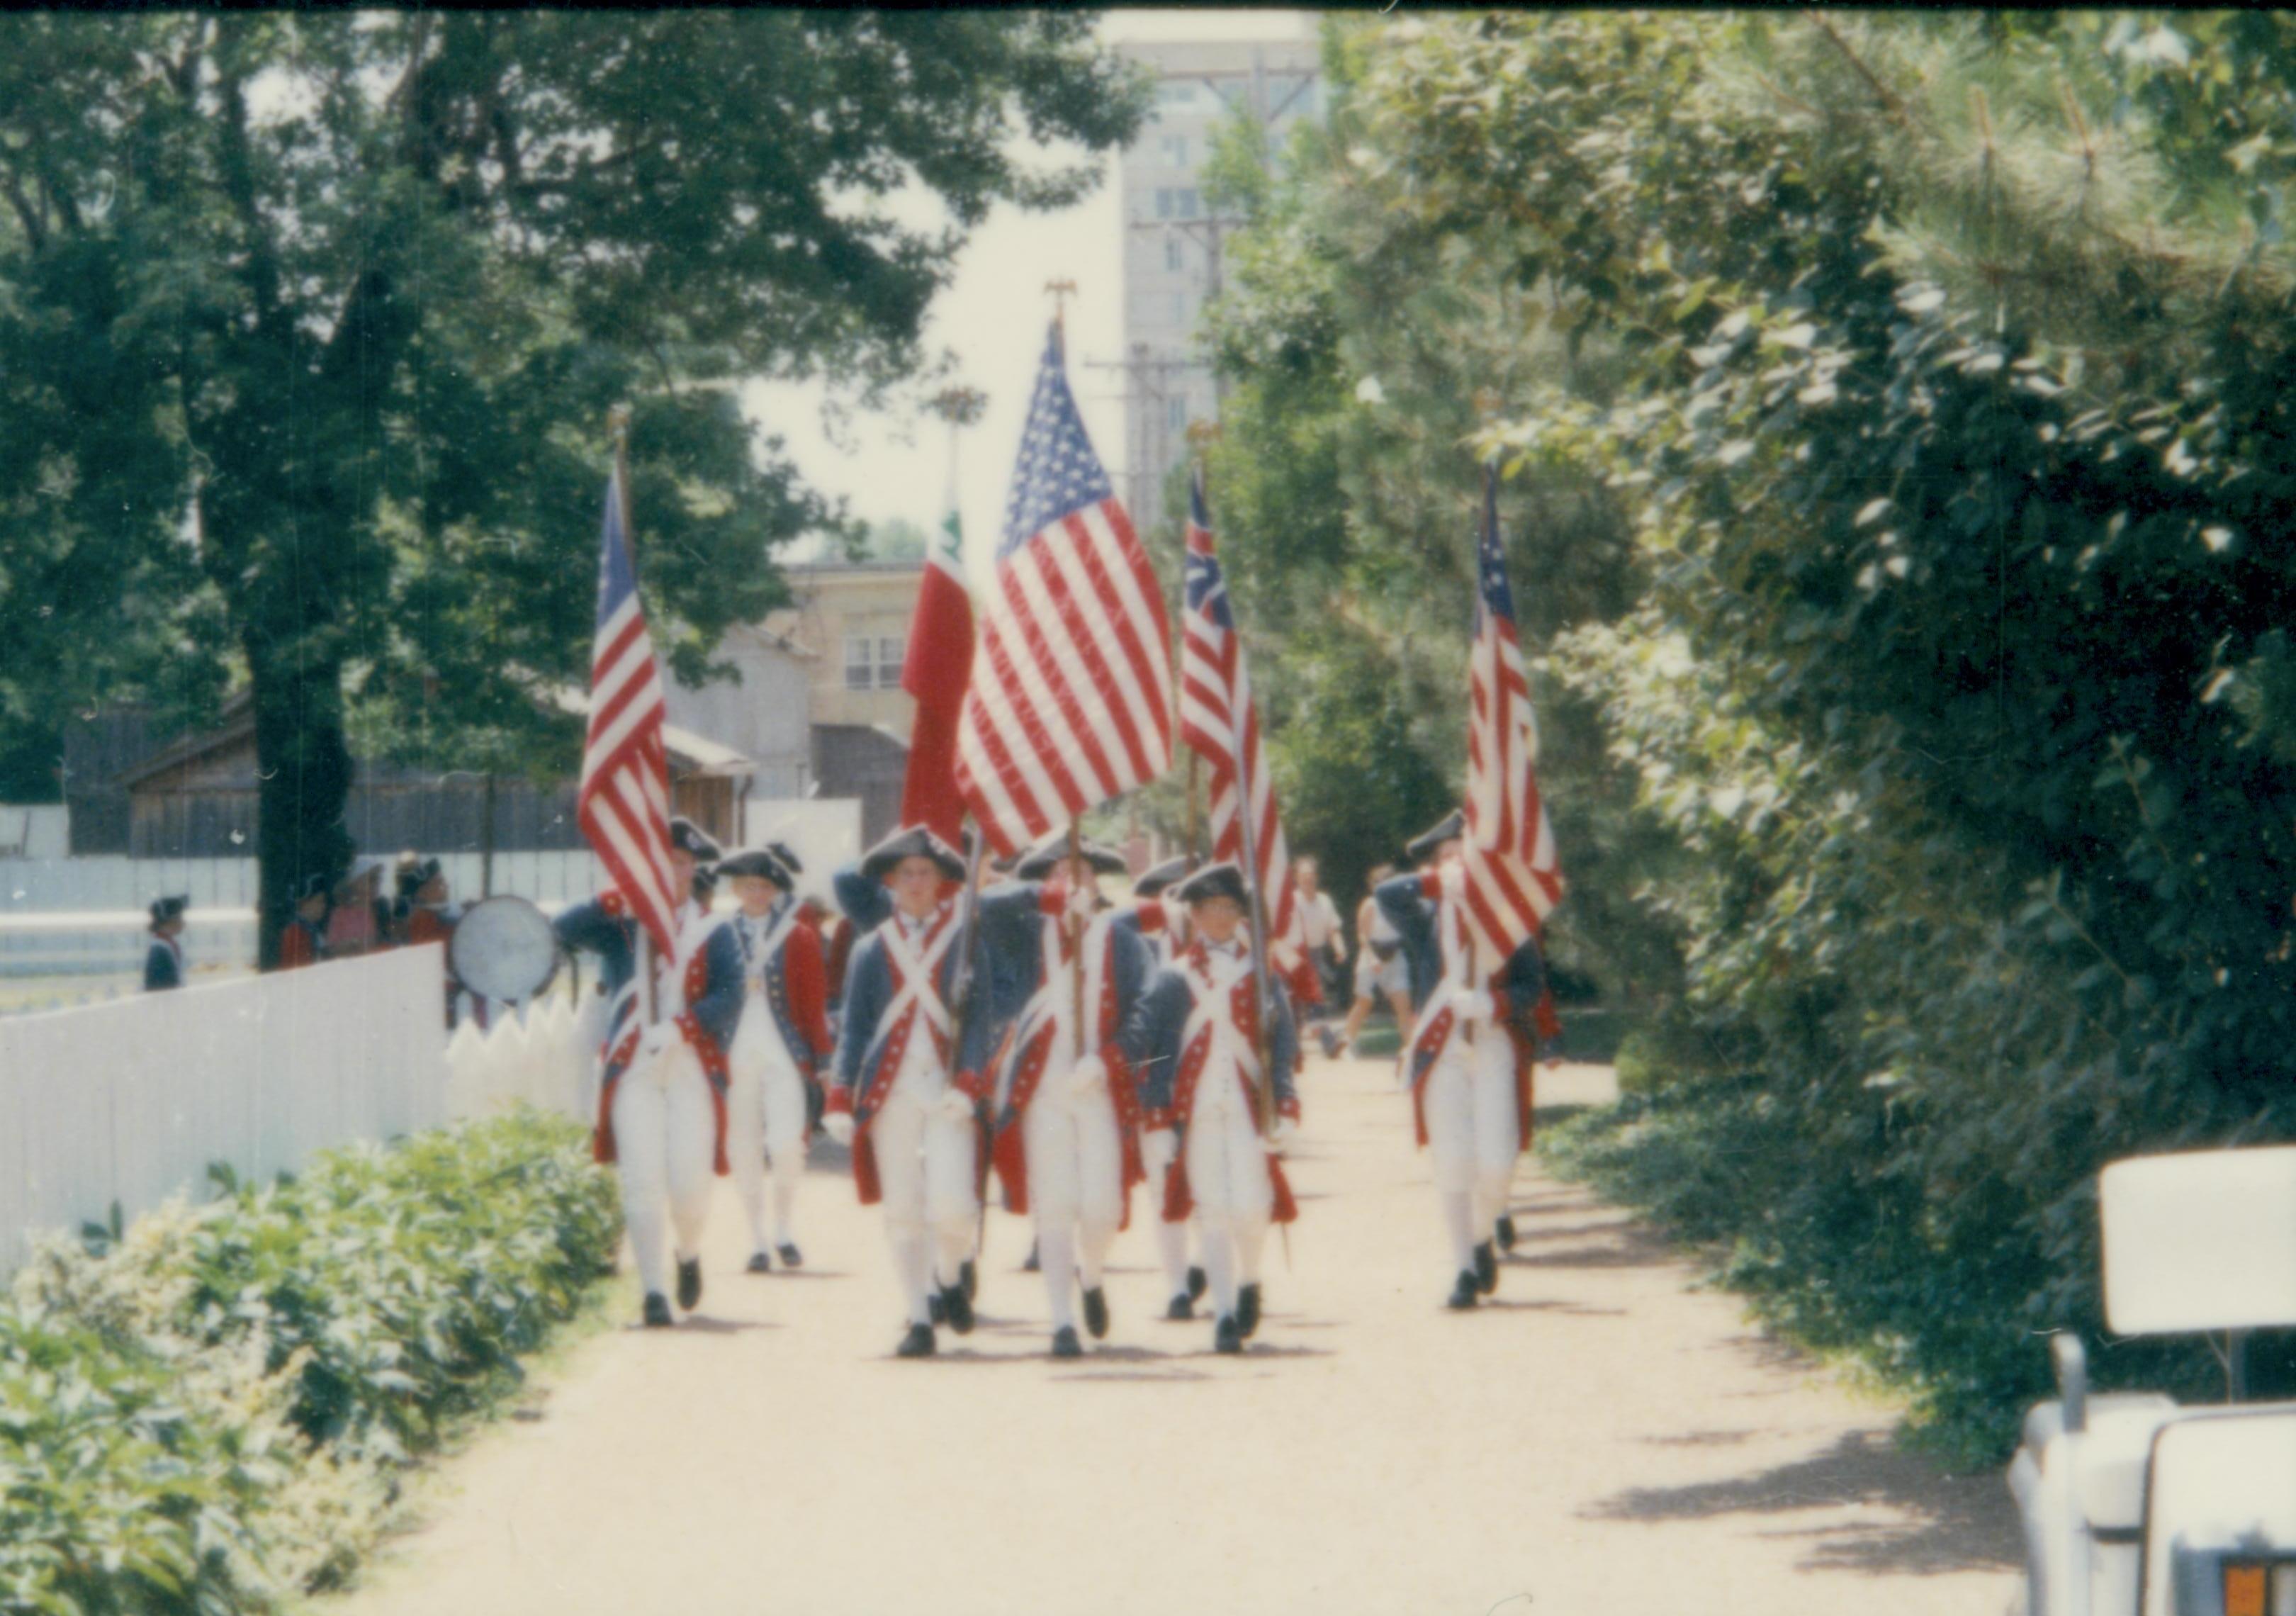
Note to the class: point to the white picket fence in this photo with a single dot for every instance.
(129, 1101)
(546, 1058)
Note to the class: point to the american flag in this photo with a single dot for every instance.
(1220, 720)
(1067, 705)
(624, 802)
(1514, 880)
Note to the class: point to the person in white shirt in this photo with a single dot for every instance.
(1381, 972)
(1326, 945)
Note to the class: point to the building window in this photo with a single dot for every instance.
(1176, 415)
(1163, 202)
(1174, 259)
(873, 662)
(1185, 202)
(1179, 308)
(1176, 150)
(1175, 94)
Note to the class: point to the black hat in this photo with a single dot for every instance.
(688, 837)
(1221, 880)
(787, 854)
(1154, 881)
(912, 841)
(1038, 861)
(757, 861)
(315, 886)
(1449, 828)
(416, 873)
(165, 909)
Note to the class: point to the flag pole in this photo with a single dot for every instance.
(618, 428)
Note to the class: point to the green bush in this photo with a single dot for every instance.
(208, 1410)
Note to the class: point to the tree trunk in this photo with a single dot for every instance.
(303, 782)
(486, 838)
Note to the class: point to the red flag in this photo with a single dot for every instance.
(935, 670)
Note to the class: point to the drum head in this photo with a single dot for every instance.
(504, 948)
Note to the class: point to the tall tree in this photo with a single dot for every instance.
(359, 289)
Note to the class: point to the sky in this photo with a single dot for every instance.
(993, 317)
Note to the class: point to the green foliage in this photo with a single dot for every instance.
(1895, 410)
(356, 292)
(202, 1411)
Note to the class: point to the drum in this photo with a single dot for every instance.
(504, 948)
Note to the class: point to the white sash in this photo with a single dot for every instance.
(1056, 996)
(1215, 1008)
(918, 965)
(780, 923)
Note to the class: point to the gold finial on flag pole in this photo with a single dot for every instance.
(1062, 290)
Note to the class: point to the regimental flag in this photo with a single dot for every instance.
(935, 670)
(624, 802)
(1067, 706)
(1219, 719)
(1513, 879)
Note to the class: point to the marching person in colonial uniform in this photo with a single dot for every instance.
(425, 917)
(1163, 929)
(163, 962)
(904, 1093)
(661, 1103)
(1067, 1141)
(1469, 1058)
(303, 939)
(782, 1035)
(1194, 1037)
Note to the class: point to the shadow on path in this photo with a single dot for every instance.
(1960, 1522)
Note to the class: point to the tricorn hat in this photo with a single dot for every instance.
(1221, 880)
(787, 854)
(688, 837)
(1039, 861)
(911, 841)
(760, 862)
(416, 873)
(319, 885)
(1154, 879)
(165, 909)
(1449, 828)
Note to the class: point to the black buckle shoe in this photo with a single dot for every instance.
(917, 1343)
(1464, 1294)
(1095, 1312)
(1065, 1343)
(968, 1279)
(958, 1308)
(1197, 1284)
(1246, 1312)
(689, 1284)
(1227, 1337)
(1487, 1269)
(657, 1312)
(760, 1263)
(1506, 1233)
(1181, 1307)
(791, 1258)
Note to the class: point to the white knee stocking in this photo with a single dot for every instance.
(1056, 1253)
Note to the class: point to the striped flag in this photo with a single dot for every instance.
(1219, 719)
(1514, 880)
(1067, 706)
(934, 671)
(624, 802)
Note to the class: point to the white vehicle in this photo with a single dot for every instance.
(2136, 1506)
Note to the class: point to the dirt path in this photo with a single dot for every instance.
(1601, 1439)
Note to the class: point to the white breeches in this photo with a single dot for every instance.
(1234, 1197)
(1472, 1130)
(764, 1114)
(925, 1165)
(1076, 1185)
(665, 1132)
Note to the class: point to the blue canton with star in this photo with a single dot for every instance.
(1200, 581)
(1057, 473)
(1490, 558)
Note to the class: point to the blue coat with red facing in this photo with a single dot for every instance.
(1170, 1065)
(869, 1044)
(1518, 993)
(1114, 981)
(712, 982)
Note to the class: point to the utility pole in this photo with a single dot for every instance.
(1147, 390)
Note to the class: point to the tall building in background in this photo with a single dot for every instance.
(1173, 243)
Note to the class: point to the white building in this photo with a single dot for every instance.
(1173, 240)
